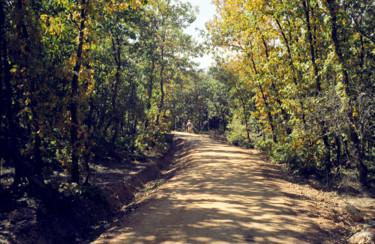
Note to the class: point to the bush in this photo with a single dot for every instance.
(236, 135)
(154, 138)
(302, 153)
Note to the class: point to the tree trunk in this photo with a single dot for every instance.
(150, 88)
(161, 74)
(116, 45)
(318, 84)
(286, 116)
(357, 149)
(246, 121)
(270, 118)
(32, 171)
(295, 73)
(9, 127)
(75, 98)
(5, 91)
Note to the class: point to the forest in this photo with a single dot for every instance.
(87, 80)
(302, 74)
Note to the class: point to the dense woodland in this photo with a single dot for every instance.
(86, 80)
(302, 74)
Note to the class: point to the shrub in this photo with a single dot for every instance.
(236, 135)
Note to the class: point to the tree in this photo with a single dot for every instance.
(169, 46)
(306, 99)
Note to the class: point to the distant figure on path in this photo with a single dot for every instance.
(189, 125)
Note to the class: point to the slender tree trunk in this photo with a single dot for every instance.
(323, 125)
(338, 149)
(243, 103)
(150, 88)
(274, 138)
(286, 116)
(90, 128)
(246, 122)
(295, 73)
(150, 84)
(75, 97)
(5, 92)
(4, 64)
(34, 170)
(357, 149)
(312, 48)
(270, 118)
(162, 94)
(117, 57)
(116, 45)
(9, 145)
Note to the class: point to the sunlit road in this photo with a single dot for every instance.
(224, 195)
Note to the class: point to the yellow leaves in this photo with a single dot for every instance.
(113, 6)
(77, 16)
(90, 87)
(355, 111)
(340, 88)
(28, 101)
(122, 6)
(51, 25)
(135, 3)
(87, 76)
(44, 18)
(85, 46)
(13, 70)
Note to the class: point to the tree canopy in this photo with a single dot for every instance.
(302, 72)
(86, 80)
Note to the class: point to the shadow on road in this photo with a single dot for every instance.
(221, 197)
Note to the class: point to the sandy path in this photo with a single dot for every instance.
(223, 196)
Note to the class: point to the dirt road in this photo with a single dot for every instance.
(225, 195)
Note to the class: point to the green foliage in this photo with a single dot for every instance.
(154, 138)
(82, 81)
(301, 74)
(203, 100)
(236, 134)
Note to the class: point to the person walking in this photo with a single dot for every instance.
(189, 126)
